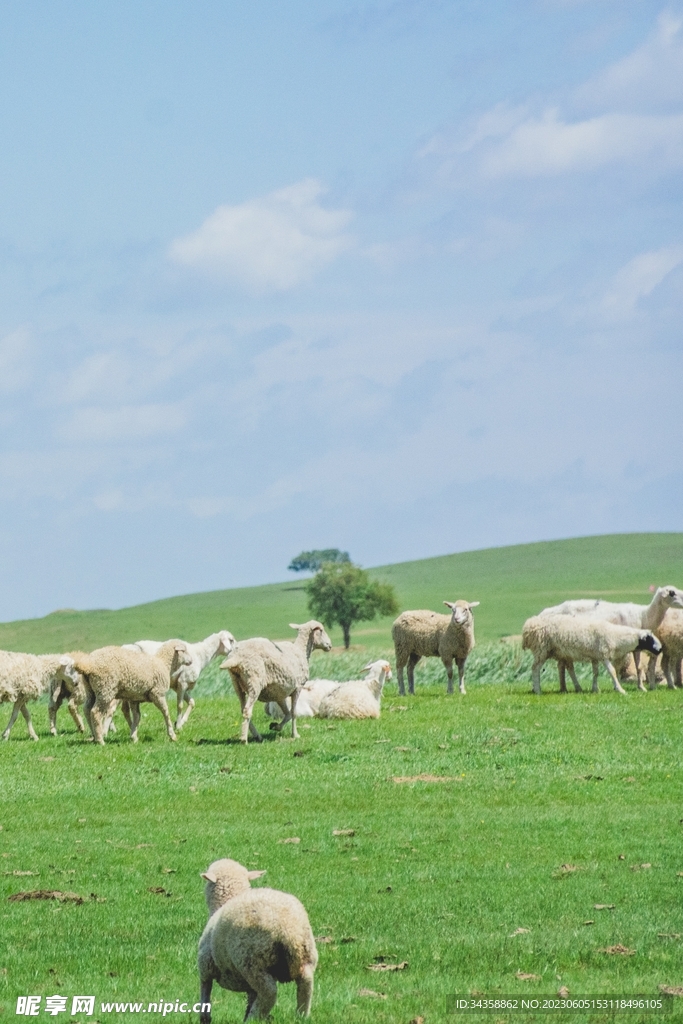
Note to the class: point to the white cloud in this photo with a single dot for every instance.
(127, 423)
(639, 278)
(271, 243)
(650, 75)
(15, 360)
(548, 145)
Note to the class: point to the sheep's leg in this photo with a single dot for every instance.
(189, 705)
(594, 688)
(266, 994)
(678, 678)
(12, 719)
(159, 701)
(247, 724)
(98, 717)
(56, 698)
(73, 711)
(666, 669)
(180, 701)
(293, 699)
(304, 991)
(412, 662)
(572, 673)
(562, 675)
(87, 710)
(188, 711)
(448, 665)
(640, 672)
(610, 668)
(205, 999)
(128, 713)
(109, 721)
(536, 675)
(286, 715)
(461, 674)
(251, 996)
(399, 672)
(27, 715)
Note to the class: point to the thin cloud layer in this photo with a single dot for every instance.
(272, 243)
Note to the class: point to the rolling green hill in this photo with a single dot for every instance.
(511, 583)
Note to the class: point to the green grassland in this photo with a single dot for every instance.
(545, 806)
(511, 583)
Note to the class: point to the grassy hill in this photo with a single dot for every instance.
(511, 583)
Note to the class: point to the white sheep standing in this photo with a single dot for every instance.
(185, 676)
(637, 616)
(427, 634)
(254, 939)
(267, 671)
(569, 638)
(111, 674)
(359, 698)
(26, 677)
(670, 634)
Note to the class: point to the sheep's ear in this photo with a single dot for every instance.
(65, 661)
(293, 625)
(449, 604)
(208, 876)
(251, 875)
(368, 666)
(474, 604)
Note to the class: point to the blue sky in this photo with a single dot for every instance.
(402, 277)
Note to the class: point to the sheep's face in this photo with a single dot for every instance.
(672, 597)
(227, 643)
(649, 642)
(377, 667)
(462, 611)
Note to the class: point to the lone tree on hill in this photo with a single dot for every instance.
(311, 561)
(343, 593)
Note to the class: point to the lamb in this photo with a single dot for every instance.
(111, 674)
(426, 634)
(568, 638)
(26, 677)
(254, 939)
(637, 616)
(308, 702)
(670, 634)
(264, 670)
(359, 698)
(185, 676)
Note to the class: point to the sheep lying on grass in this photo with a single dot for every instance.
(26, 677)
(637, 616)
(308, 701)
(568, 638)
(186, 675)
(426, 634)
(254, 939)
(359, 698)
(267, 671)
(111, 674)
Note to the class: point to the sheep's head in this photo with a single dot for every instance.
(671, 596)
(225, 879)
(649, 642)
(461, 611)
(317, 638)
(68, 677)
(227, 642)
(377, 668)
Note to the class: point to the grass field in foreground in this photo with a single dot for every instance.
(511, 583)
(442, 875)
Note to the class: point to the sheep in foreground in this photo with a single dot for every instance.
(637, 616)
(254, 939)
(359, 698)
(26, 677)
(267, 671)
(308, 702)
(568, 638)
(111, 674)
(670, 634)
(427, 634)
(185, 676)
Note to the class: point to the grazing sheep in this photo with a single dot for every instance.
(185, 676)
(637, 616)
(359, 698)
(670, 634)
(267, 671)
(568, 638)
(308, 702)
(111, 674)
(426, 634)
(254, 939)
(26, 677)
